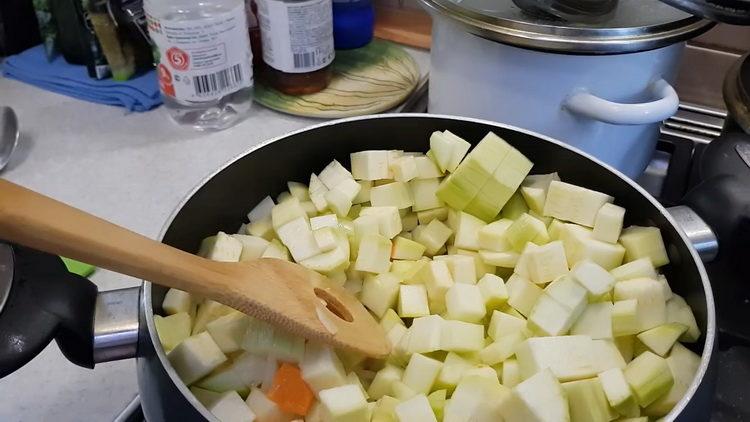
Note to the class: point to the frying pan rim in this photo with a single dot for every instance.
(146, 297)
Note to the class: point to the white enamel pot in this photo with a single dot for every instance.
(610, 106)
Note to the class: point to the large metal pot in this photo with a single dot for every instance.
(222, 200)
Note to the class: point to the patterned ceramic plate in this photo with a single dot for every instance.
(367, 80)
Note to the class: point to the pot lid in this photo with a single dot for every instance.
(629, 26)
(6, 273)
(736, 12)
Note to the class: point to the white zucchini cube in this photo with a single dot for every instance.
(326, 239)
(425, 217)
(608, 223)
(239, 374)
(404, 168)
(252, 246)
(464, 302)
(492, 236)
(501, 349)
(384, 411)
(502, 324)
(421, 372)
(550, 318)
(383, 381)
(297, 236)
(412, 301)
(425, 334)
(286, 211)
(230, 407)
(568, 357)
(321, 368)
(426, 168)
(580, 245)
(660, 339)
(606, 355)
(276, 250)
(574, 203)
(370, 165)
(364, 192)
(462, 267)
(172, 329)
(522, 294)
(176, 301)
(511, 373)
(404, 248)
(264, 408)
(415, 409)
(344, 404)
(261, 228)
(262, 210)
(493, 290)
(389, 221)
(453, 369)
(618, 393)
(625, 317)
(526, 229)
(196, 357)
(640, 242)
(507, 259)
(461, 337)
(424, 194)
(374, 254)
(208, 311)
(683, 364)
(221, 247)
(595, 321)
(568, 292)
(379, 293)
(395, 194)
(433, 236)
(593, 277)
(587, 401)
(333, 174)
(547, 262)
(640, 268)
(437, 279)
(539, 398)
(649, 376)
(652, 309)
(467, 231)
(534, 197)
(679, 311)
(317, 192)
(228, 331)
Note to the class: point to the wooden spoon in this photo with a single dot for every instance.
(285, 294)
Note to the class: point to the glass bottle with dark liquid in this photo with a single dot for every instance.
(297, 44)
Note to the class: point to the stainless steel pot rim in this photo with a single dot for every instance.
(571, 40)
(146, 298)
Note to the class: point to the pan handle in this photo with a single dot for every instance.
(699, 233)
(88, 327)
(664, 106)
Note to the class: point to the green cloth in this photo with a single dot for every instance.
(75, 267)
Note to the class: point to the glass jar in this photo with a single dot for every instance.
(297, 43)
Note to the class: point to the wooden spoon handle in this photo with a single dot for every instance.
(37, 221)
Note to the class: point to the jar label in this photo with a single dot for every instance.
(297, 37)
(203, 59)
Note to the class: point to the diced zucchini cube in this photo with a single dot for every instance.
(317, 193)
(221, 247)
(374, 254)
(370, 165)
(660, 339)
(424, 192)
(618, 393)
(208, 311)
(242, 372)
(592, 277)
(595, 321)
(679, 311)
(344, 404)
(297, 236)
(230, 407)
(384, 379)
(172, 329)
(502, 324)
(526, 229)
(587, 401)
(276, 250)
(321, 368)
(539, 398)
(640, 242)
(493, 290)
(568, 292)
(426, 168)
(467, 231)
(683, 364)
(507, 259)
(433, 236)
(464, 302)
(176, 301)
(652, 309)
(264, 408)
(404, 168)
(515, 207)
(549, 317)
(568, 357)
(511, 373)
(625, 317)
(388, 219)
(415, 409)
(404, 248)
(196, 357)
(412, 301)
(262, 210)
(228, 331)
(425, 334)
(640, 268)
(453, 369)
(492, 236)
(461, 337)
(462, 267)
(380, 292)
(574, 203)
(421, 372)
(327, 220)
(649, 376)
(395, 194)
(547, 262)
(522, 294)
(608, 223)
(252, 246)
(501, 349)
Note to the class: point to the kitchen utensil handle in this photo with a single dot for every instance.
(697, 231)
(116, 324)
(589, 105)
(39, 222)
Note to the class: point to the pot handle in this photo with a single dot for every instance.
(591, 106)
(40, 308)
(699, 233)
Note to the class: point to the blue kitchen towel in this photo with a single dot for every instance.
(138, 94)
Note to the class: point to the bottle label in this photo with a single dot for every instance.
(297, 37)
(203, 59)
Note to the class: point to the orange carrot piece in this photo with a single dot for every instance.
(290, 392)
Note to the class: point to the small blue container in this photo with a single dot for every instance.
(352, 23)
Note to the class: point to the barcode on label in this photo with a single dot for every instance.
(217, 82)
(304, 60)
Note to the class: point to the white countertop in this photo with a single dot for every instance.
(132, 169)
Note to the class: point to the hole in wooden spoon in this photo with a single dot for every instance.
(333, 305)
